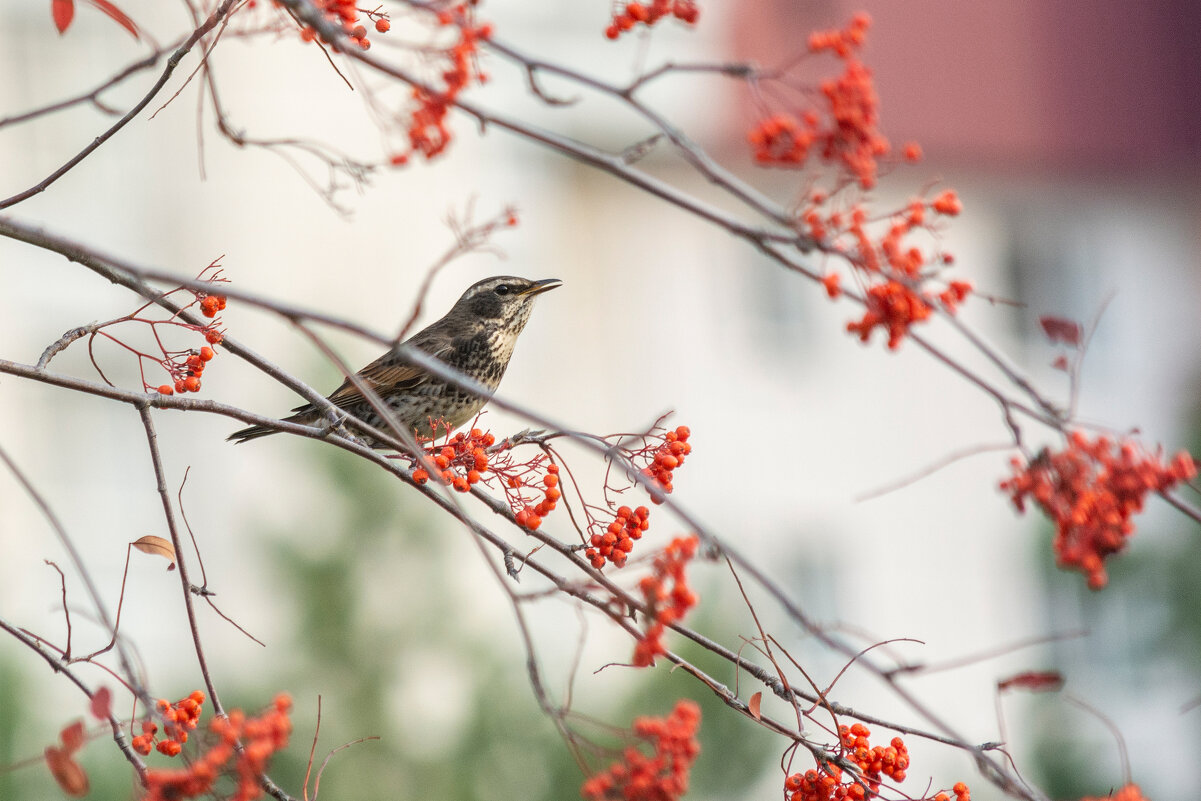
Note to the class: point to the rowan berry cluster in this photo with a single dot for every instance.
(612, 539)
(178, 719)
(661, 777)
(461, 461)
(900, 275)
(665, 458)
(895, 276)
(827, 782)
(874, 761)
(961, 793)
(186, 370)
(665, 605)
(346, 13)
(1090, 490)
(427, 131)
(260, 738)
(530, 515)
(844, 129)
(626, 16)
(467, 459)
(615, 544)
(185, 366)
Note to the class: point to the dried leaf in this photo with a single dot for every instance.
(102, 703)
(754, 703)
(63, 12)
(117, 16)
(156, 546)
(72, 737)
(1060, 330)
(67, 772)
(1033, 680)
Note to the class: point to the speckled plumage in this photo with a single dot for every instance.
(476, 337)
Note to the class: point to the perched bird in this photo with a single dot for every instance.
(476, 337)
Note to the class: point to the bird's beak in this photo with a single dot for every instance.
(546, 284)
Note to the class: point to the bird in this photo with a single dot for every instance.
(476, 337)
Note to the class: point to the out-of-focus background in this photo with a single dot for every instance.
(1072, 133)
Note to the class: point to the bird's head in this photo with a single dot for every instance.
(504, 300)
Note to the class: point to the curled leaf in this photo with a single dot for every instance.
(156, 546)
(1060, 330)
(63, 12)
(67, 772)
(102, 703)
(753, 705)
(1033, 680)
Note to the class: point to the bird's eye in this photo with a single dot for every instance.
(503, 290)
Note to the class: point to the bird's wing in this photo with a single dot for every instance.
(386, 375)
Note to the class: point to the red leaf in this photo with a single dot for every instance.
(753, 705)
(117, 16)
(1061, 330)
(66, 771)
(102, 703)
(1034, 680)
(72, 737)
(63, 12)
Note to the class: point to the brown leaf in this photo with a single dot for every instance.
(754, 703)
(72, 737)
(1033, 680)
(67, 772)
(63, 12)
(102, 703)
(1060, 330)
(156, 546)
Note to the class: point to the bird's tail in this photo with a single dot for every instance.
(253, 432)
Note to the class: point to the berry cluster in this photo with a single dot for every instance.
(827, 783)
(260, 738)
(662, 777)
(179, 719)
(612, 539)
(636, 13)
(618, 540)
(667, 457)
(428, 133)
(187, 374)
(1090, 490)
(963, 794)
(346, 13)
(897, 275)
(464, 460)
(874, 761)
(665, 606)
(845, 129)
(183, 366)
(461, 462)
(530, 515)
